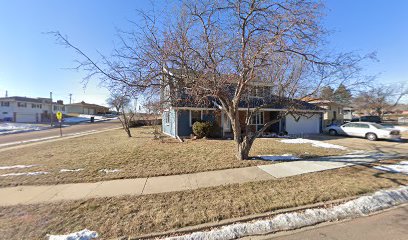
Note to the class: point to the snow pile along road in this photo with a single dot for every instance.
(284, 157)
(401, 167)
(8, 128)
(289, 221)
(16, 166)
(314, 143)
(81, 235)
(23, 174)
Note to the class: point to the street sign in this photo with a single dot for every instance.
(59, 116)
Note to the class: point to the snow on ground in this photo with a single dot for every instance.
(289, 221)
(284, 157)
(16, 166)
(109, 170)
(314, 143)
(71, 170)
(401, 167)
(81, 235)
(23, 174)
(7, 128)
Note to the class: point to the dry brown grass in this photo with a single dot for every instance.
(114, 217)
(140, 156)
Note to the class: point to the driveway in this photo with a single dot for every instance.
(383, 146)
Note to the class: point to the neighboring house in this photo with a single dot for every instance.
(347, 114)
(333, 114)
(32, 110)
(180, 113)
(86, 108)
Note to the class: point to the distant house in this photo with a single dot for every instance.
(86, 108)
(32, 110)
(334, 112)
(180, 113)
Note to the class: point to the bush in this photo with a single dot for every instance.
(202, 129)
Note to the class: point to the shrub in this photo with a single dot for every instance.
(202, 129)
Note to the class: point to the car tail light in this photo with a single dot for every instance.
(395, 132)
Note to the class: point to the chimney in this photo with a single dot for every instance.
(6, 93)
(60, 102)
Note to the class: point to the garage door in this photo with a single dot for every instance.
(26, 117)
(304, 125)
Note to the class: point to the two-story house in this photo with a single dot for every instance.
(180, 112)
(24, 109)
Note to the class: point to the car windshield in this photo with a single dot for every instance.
(378, 126)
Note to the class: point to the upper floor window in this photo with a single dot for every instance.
(5, 104)
(35, 105)
(21, 104)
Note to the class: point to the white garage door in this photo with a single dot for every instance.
(304, 125)
(26, 117)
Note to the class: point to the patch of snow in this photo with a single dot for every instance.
(314, 143)
(81, 235)
(16, 166)
(284, 157)
(23, 174)
(8, 128)
(71, 170)
(359, 207)
(109, 170)
(401, 167)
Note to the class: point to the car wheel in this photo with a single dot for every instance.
(332, 132)
(371, 136)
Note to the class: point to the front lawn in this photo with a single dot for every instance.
(136, 215)
(85, 158)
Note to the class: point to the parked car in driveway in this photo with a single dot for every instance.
(371, 131)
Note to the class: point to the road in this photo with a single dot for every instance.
(27, 136)
(391, 224)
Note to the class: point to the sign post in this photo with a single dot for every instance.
(59, 117)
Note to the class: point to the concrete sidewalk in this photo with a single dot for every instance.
(162, 184)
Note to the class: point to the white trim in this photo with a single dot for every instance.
(168, 134)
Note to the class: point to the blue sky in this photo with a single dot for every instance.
(31, 64)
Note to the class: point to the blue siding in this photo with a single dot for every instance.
(184, 128)
(169, 127)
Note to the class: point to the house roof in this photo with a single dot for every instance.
(84, 104)
(23, 99)
(272, 102)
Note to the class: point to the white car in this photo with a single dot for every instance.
(369, 130)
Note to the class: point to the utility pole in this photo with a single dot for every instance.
(70, 97)
(6, 93)
(51, 118)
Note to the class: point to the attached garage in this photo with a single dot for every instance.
(308, 124)
(26, 117)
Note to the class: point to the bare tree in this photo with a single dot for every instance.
(120, 99)
(378, 99)
(222, 50)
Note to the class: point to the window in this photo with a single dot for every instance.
(21, 104)
(257, 118)
(361, 125)
(167, 117)
(36, 105)
(195, 116)
(5, 104)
